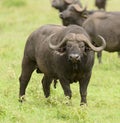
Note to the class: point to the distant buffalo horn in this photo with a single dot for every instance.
(86, 40)
(70, 36)
(69, 1)
(78, 8)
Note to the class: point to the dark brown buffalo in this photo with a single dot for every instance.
(63, 53)
(107, 25)
(100, 4)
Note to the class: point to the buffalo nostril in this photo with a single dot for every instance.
(78, 57)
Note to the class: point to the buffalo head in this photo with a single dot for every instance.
(73, 14)
(75, 46)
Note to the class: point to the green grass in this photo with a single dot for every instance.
(17, 21)
(13, 3)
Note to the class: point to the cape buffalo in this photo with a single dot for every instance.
(63, 53)
(100, 4)
(107, 25)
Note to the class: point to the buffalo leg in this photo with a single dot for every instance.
(99, 56)
(27, 68)
(66, 87)
(46, 81)
(83, 83)
(119, 54)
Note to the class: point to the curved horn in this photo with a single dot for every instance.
(78, 8)
(69, 1)
(86, 40)
(70, 36)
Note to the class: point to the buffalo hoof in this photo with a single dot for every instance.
(83, 104)
(22, 99)
(67, 101)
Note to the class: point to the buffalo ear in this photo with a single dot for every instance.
(69, 1)
(84, 14)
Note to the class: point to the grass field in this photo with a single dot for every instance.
(18, 18)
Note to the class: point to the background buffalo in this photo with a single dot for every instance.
(100, 4)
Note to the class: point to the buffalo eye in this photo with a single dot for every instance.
(69, 45)
(81, 45)
(62, 49)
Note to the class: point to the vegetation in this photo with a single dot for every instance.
(17, 20)
(12, 3)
